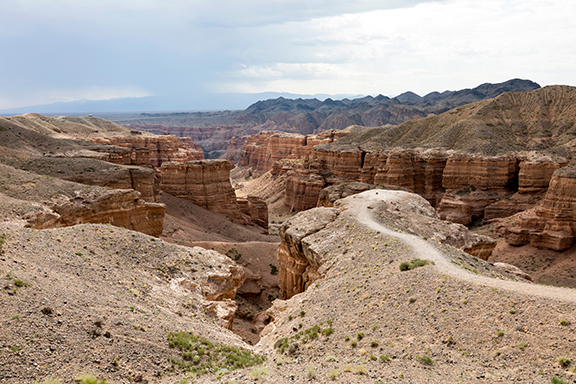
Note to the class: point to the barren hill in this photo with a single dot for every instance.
(539, 120)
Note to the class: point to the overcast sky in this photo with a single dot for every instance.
(65, 50)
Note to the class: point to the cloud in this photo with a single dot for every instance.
(431, 46)
(190, 47)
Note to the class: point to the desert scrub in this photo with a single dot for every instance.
(258, 373)
(291, 343)
(201, 356)
(2, 240)
(564, 322)
(49, 380)
(311, 372)
(426, 360)
(359, 370)
(273, 269)
(86, 378)
(333, 374)
(415, 263)
(557, 380)
(385, 358)
(563, 361)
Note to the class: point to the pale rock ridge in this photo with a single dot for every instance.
(311, 238)
(119, 207)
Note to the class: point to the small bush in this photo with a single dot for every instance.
(500, 333)
(360, 335)
(564, 322)
(426, 360)
(415, 263)
(273, 269)
(50, 380)
(385, 358)
(374, 343)
(347, 368)
(327, 331)
(521, 345)
(557, 380)
(20, 283)
(359, 370)
(353, 343)
(258, 373)
(564, 361)
(86, 378)
(311, 372)
(333, 374)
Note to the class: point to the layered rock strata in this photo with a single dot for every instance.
(552, 224)
(207, 184)
(152, 151)
(262, 150)
(119, 207)
(302, 189)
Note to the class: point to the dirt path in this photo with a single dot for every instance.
(425, 250)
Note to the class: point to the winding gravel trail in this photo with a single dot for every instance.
(426, 250)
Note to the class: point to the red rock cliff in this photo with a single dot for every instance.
(551, 225)
(207, 184)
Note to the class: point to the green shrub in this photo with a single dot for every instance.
(557, 380)
(564, 361)
(415, 263)
(201, 356)
(86, 378)
(359, 370)
(258, 373)
(273, 269)
(333, 374)
(360, 335)
(385, 358)
(426, 360)
(564, 322)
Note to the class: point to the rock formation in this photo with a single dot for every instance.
(312, 238)
(152, 151)
(552, 224)
(302, 189)
(262, 150)
(207, 184)
(329, 195)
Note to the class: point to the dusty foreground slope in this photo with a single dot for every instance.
(460, 320)
(101, 299)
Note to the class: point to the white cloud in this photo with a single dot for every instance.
(433, 46)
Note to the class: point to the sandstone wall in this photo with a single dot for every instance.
(152, 151)
(262, 150)
(302, 189)
(552, 224)
(207, 184)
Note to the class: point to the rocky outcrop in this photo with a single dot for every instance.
(552, 224)
(298, 257)
(262, 150)
(152, 151)
(215, 290)
(119, 207)
(302, 189)
(207, 184)
(329, 195)
(255, 208)
(313, 240)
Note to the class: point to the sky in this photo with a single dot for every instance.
(66, 50)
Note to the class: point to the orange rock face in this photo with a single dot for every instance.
(152, 151)
(552, 224)
(262, 150)
(302, 189)
(207, 184)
